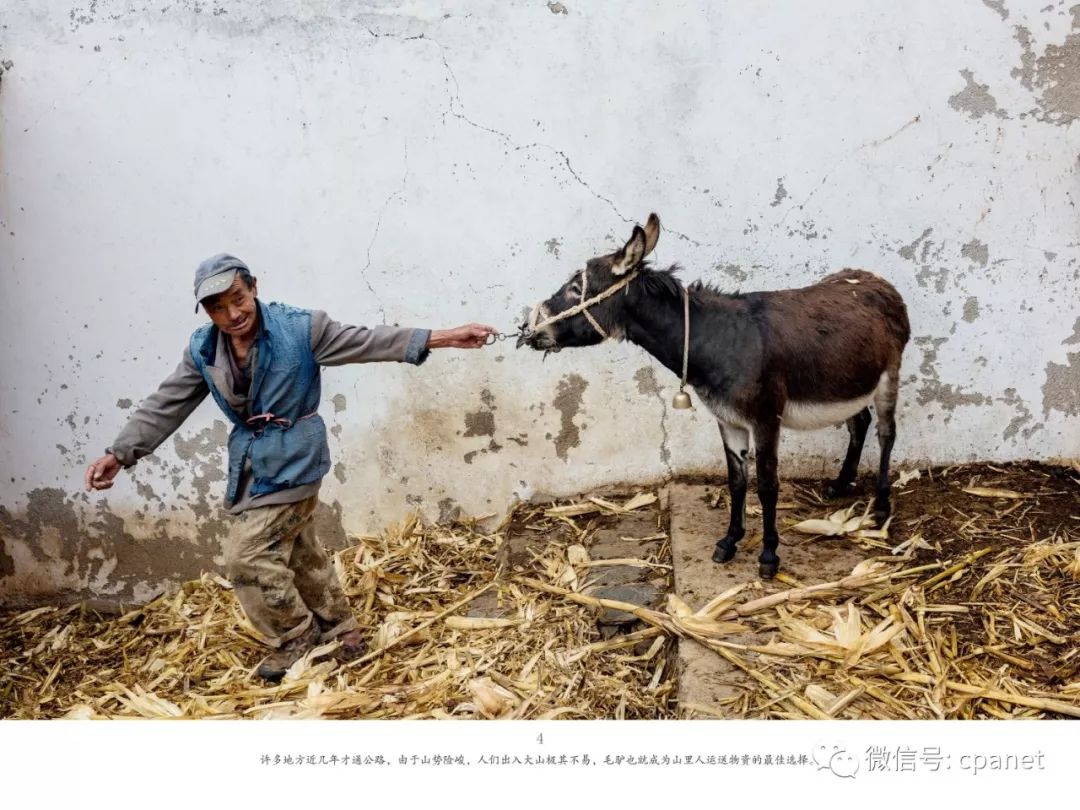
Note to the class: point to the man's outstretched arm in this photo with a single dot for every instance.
(336, 344)
(159, 415)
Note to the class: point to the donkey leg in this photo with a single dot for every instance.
(736, 448)
(885, 405)
(857, 427)
(766, 445)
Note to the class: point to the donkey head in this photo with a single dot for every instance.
(601, 274)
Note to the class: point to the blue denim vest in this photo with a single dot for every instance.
(284, 438)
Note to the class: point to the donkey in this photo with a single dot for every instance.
(802, 359)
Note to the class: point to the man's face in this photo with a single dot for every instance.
(234, 311)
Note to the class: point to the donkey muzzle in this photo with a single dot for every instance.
(540, 340)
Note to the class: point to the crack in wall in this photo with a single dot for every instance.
(375, 235)
(887, 138)
(457, 110)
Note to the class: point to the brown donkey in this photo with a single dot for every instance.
(801, 359)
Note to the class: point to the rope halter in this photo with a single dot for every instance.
(582, 308)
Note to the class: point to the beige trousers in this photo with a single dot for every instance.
(282, 576)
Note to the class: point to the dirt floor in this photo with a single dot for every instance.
(974, 592)
(608, 607)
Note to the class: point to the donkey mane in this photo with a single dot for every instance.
(665, 282)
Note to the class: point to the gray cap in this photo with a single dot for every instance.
(215, 275)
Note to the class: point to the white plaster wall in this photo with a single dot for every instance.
(430, 163)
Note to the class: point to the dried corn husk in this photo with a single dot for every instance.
(973, 615)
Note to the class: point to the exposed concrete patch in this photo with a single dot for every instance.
(1061, 391)
(1074, 338)
(492, 447)
(646, 381)
(557, 8)
(971, 309)
(908, 251)
(208, 441)
(54, 550)
(553, 244)
(948, 396)
(204, 452)
(448, 510)
(807, 229)
(1026, 72)
(975, 99)
(928, 274)
(568, 402)
(339, 472)
(146, 492)
(781, 193)
(1023, 416)
(1056, 73)
(480, 423)
(976, 251)
(998, 6)
(123, 404)
(340, 403)
(923, 252)
(46, 512)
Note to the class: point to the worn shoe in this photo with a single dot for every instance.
(275, 665)
(352, 646)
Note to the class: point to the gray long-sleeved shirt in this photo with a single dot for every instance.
(333, 344)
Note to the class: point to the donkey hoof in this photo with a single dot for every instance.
(880, 516)
(724, 551)
(836, 489)
(767, 570)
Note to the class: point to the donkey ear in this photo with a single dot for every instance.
(652, 233)
(631, 254)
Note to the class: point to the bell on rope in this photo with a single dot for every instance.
(682, 401)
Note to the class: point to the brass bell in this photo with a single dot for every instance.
(682, 401)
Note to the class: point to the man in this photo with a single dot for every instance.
(260, 362)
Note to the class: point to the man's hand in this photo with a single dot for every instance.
(101, 473)
(470, 336)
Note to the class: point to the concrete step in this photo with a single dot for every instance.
(709, 686)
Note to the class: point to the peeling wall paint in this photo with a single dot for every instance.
(436, 163)
(1061, 392)
(975, 99)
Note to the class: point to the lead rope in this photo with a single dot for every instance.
(682, 399)
(686, 336)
